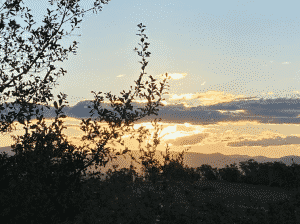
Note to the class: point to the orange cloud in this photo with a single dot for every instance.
(208, 98)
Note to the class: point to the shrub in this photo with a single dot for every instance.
(230, 174)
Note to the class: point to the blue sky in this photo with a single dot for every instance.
(214, 49)
(216, 53)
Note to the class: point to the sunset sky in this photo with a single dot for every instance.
(225, 59)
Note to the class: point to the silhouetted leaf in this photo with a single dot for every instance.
(55, 105)
(33, 126)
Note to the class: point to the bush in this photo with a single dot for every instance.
(230, 174)
(208, 172)
(174, 170)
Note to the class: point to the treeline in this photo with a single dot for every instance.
(53, 196)
(272, 174)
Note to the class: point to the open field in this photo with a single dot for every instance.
(235, 196)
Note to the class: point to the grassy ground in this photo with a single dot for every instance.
(237, 197)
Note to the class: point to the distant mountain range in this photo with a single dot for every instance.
(218, 160)
(193, 159)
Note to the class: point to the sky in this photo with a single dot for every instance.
(229, 62)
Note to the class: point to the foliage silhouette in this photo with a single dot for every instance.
(44, 157)
(208, 172)
(230, 174)
(42, 182)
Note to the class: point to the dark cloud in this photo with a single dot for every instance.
(188, 140)
(268, 142)
(264, 110)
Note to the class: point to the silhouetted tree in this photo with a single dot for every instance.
(208, 172)
(263, 175)
(43, 51)
(274, 174)
(173, 168)
(230, 173)
(191, 174)
(249, 170)
(279, 174)
(295, 179)
(45, 165)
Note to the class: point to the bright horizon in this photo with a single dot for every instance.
(229, 138)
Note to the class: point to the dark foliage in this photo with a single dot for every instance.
(230, 174)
